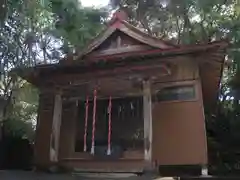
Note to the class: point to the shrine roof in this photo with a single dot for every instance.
(121, 44)
(119, 24)
(127, 57)
(122, 41)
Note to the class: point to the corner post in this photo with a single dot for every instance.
(56, 125)
(147, 114)
(204, 170)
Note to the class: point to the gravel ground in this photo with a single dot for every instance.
(21, 175)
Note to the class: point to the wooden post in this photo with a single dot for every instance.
(204, 171)
(147, 114)
(56, 125)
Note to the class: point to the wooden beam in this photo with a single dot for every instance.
(105, 97)
(98, 41)
(56, 125)
(119, 41)
(118, 50)
(149, 70)
(147, 114)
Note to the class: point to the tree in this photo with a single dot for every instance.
(38, 32)
(195, 21)
(20, 31)
(74, 24)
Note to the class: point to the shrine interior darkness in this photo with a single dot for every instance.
(126, 127)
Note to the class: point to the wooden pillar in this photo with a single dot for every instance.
(56, 125)
(204, 171)
(147, 114)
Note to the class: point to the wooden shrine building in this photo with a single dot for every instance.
(128, 102)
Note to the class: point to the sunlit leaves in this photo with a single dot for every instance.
(76, 24)
(35, 32)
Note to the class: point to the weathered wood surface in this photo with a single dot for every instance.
(56, 125)
(147, 108)
(22, 175)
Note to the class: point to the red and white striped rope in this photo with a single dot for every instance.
(109, 125)
(86, 125)
(94, 122)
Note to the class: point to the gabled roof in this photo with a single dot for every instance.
(119, 23)
(105, 52)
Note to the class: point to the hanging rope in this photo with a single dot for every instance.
(86, 125)
(109, 125)
(94, 122)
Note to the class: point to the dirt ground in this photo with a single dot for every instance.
(21, 175)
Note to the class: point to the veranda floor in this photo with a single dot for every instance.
(22, 175)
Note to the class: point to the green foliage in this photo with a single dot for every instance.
(185, 21)
(18, 127)
(36, 32)
(76, 24)
(22, 120)
(198, 21)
